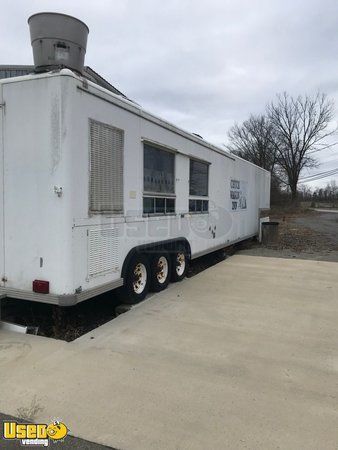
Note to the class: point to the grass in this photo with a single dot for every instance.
(29, 413)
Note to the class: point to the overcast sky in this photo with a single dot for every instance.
(200, 64)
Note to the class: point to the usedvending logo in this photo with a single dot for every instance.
(30, 434)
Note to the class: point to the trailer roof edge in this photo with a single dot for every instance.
(132, 107)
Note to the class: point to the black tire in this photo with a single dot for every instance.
(160, 275)
(130, 294)
(176, 274)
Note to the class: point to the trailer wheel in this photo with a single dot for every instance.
(137, 279)
(160, 271)
(180, 263)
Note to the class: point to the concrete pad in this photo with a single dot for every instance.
(244, 355)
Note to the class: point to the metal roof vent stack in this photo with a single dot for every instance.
(58, 41)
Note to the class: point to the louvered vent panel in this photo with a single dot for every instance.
(102, 251)
(106, 168)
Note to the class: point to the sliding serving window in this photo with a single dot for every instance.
(198, 186)
(158, 181)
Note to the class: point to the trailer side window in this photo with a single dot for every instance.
(106, 168)
(198, 186)
(158, 180)
(158, 205)
(159, 170)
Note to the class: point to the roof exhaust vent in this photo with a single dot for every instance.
(58, 41)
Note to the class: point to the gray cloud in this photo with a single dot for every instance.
(202, 65)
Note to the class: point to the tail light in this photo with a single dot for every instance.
(41, 287)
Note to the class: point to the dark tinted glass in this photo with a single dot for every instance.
(148, 205)
(159, 170)
(198, 205)
(198, 178)
(160, 205)
(192, 206)
(170, 205)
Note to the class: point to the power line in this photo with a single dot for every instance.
(320, 173)
(325, 146)
(317, 177)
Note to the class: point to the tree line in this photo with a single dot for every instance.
(286, 138)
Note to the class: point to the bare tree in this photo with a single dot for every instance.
(252, 141)
(299, 127)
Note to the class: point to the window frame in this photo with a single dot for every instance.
(163, 149)
(196, 198)
(207, 164)
(202, 200)
(153, 194)
(155, 213)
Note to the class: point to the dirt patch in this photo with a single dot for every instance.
(307, 231)
(303, 234)
(62, 323)
(323, 224)
(299, 238)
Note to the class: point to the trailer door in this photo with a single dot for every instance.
(2, 194)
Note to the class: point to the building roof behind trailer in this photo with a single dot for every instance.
(10, 71)
(93, 76)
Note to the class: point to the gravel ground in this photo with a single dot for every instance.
(310, 235)
(324, 224)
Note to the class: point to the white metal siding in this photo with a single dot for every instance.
(60, 153)
(102, 251)
(106, 168)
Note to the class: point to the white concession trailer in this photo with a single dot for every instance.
(96, 193)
